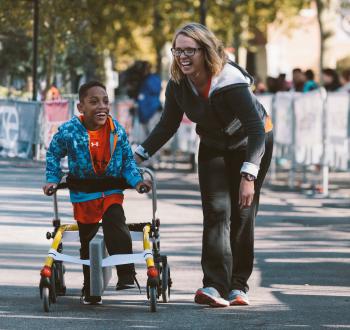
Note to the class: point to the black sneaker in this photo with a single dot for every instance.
(86, 299)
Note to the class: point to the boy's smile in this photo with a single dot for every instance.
(95, 108)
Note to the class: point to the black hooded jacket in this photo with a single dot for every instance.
(230, 119)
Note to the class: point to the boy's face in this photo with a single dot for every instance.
(95, 108)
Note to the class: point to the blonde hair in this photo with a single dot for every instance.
(213, 50)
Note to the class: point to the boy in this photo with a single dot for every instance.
(97, 148)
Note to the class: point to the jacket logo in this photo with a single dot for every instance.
(94, 144)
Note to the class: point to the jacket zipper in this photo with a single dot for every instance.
(115, 139)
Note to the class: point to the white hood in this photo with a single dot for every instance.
(229, 75)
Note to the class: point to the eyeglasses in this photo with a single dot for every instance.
(187, 51)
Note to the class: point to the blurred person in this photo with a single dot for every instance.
(260, 87)
(298, 80)
(310, 83)
(131, 79)
(148, 102)
(234, 155)
(345, 81)
(282, 84)
(330, 80)
(143, 87)
(271, 85)
(53, 93)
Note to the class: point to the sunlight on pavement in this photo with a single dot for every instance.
(308, 260)
(313, 290)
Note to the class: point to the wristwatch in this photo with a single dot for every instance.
(248, 176)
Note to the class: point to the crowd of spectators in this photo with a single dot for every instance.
(304, 81)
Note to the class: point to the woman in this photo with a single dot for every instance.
(234, 155)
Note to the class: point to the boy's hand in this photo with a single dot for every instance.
(49, 188)
(144, 186)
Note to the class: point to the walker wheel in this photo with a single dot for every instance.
(46, 299)
(60, 288)
(166, 282)
(153, 298)
(52, 291)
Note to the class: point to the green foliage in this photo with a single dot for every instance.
(247, 19)
(75, 36)
(15, 41)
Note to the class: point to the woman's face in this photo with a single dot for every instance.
(189, 65)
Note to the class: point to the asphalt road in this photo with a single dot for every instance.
(301, 278)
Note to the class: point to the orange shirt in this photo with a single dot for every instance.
(100, 148)
(92, 211)
(99, 145)
(268, 124)
(207, 89)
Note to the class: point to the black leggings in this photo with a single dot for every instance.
(117, 238)
(228, 231)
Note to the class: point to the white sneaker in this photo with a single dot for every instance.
(210, 296)
(238, 297)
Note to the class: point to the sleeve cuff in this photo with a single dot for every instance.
(52, 180)
(250, 168)
(142, 152)
(135, 181)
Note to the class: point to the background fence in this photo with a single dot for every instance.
(309, 129)
(19, 128)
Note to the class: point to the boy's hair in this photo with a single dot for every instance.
(83, 89)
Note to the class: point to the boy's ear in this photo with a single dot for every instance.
(80, 107)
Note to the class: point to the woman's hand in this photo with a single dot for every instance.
(246, 193)
(144, 186)
(49, 188)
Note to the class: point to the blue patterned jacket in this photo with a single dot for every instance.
(72, 139)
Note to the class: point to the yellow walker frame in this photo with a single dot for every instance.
(52, 282)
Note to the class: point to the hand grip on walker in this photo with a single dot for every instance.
(51, 190)
(143, 189)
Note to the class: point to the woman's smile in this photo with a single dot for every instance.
(189, 65)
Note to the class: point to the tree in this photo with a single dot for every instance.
(167, 17)
(243, 23)
(76, 36)
(323, 6)
(15, 41)
(203, 11)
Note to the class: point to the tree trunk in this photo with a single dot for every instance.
(237, 30)
(251, 56)
(49, 67)
(320, 8)
(50, 57)
(236, 45)
(35, 49)
(203, 11)
(156, 33)
(251, 62)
